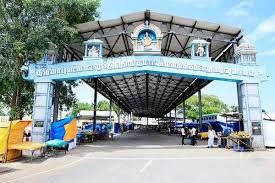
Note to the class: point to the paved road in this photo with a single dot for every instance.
(141, 157)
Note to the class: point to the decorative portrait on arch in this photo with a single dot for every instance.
(200, 50)
(93, 51)
(147, 40)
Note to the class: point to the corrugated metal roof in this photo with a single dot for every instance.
(164, 92)
(182, 31)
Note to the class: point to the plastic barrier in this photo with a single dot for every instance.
(116, 127)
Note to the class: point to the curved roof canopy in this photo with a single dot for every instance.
(177, 31)
(147, 94)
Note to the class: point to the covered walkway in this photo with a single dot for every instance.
(133, 158)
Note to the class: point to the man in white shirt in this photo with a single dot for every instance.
(183, 135)
(211, 136)
(193, 136)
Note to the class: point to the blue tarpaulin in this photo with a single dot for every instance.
(100, 128)
(116, 127)
(58, 130)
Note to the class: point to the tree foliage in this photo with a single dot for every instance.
(26, 28)
(103, 105)
(210, 104)
(80, 106)
(2, 113)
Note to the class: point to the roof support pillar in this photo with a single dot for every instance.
(175, 118)
(183, 111)
(147, 93)
(119, 112)
(95, 104)
(200, 109)
(110, 111)
(56, 100)
(147, 124)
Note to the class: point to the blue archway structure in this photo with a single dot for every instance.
(149, 75)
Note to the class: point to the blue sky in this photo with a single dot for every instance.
(257, 19)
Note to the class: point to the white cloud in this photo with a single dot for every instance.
(196, 3)
(265, 29)
(241, 9)
(267, 53)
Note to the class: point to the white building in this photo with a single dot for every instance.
(4, 118)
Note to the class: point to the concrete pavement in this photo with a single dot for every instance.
(145, 156)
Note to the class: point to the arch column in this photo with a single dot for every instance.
(249, 95)
(252, 112)
(43, 98)
(42, 111)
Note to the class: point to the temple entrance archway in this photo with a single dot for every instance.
(147, 63)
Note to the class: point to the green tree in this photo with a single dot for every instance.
(26, 28)
(80, 106)
(103, 105)
(210, 104)
(233, 108)
(2, 113)
(117, 110)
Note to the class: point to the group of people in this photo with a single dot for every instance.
(192, 133)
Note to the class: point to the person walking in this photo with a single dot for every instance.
(183, 135)
(211, 136)
(169, 131)
(193, 136)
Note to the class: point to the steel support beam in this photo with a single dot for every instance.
(136, 85)
(95, 104)
(186, 43)
(118, 87)
(183, 111)
(111, 50)
(101, 29)
(147, 93)
(156, 91)
(200, 109)
(182, 47)
(177, 85)
(129, 89)
(175, 118)
(56, 101)
(188, 92)
(110, 111)
(148, 17)
(106, 92)
(166, 86)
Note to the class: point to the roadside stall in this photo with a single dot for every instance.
(11, 141)
(63, 134)
(4, 133)
(242, 141)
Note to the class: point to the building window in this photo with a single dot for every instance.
(256, 128)
(39, 124)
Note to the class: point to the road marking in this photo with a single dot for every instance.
(47, 171)
(179, 158)
(145, 166)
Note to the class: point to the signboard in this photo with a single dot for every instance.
(150, 64)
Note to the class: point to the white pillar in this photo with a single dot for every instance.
(42, 111)
(252, 112)
(249, 95)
